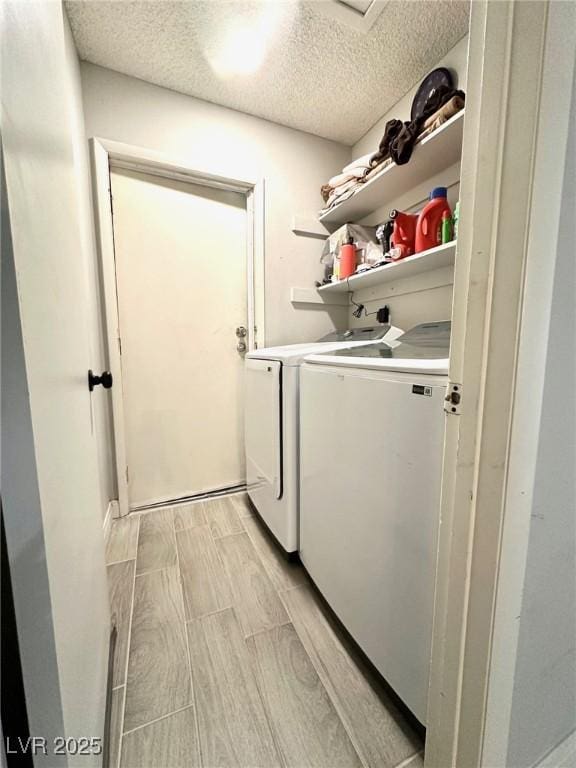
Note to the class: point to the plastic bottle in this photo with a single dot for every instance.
(336, 270)
(446, 227)
(429, 226)
(347, 259)
(404, 233)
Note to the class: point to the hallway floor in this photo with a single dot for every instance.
(226, 657)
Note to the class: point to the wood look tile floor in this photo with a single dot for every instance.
(227, 657)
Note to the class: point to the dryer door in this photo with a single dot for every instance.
(263, 428)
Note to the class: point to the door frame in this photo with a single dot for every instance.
(515, 137)
(106, 155)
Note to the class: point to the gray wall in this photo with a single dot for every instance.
(544, 701)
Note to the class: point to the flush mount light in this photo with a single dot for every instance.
(241, 52)
(241, 46)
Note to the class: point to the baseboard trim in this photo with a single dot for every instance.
(562, 756)
(112, 512)
(226, 491)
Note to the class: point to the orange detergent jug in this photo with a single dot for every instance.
(429, 226)
(404, 232)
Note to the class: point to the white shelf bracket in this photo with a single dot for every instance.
(312, 296)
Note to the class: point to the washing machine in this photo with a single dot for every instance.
(271, 425)
(371, 445)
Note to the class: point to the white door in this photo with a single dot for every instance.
(180, 253)
(50, 491)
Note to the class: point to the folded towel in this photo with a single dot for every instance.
(396, 145)
(446, 111)
(358, 165)
(341, 178)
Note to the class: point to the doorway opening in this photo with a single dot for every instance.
(182, 274)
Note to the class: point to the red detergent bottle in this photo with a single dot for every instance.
(429, 226)
(404, 232)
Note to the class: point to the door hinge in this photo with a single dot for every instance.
(453, 399)
(127, 476)
(119, 344)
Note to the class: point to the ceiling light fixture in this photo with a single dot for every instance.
(241, 47)
(242, 52)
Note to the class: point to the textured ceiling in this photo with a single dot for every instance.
(317, 74)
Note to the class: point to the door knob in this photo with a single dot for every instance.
(105, 379)
(241, 332)
(241, 346)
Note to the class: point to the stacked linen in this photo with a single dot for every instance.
(444, 113)
(396, 145)
(344, 184)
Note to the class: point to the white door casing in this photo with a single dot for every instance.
(510, 48)
(181, 283)
(107, 154)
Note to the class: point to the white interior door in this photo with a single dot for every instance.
(182, 292)
(50, 492)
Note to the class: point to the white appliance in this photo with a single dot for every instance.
(271, 426)
(371, 442)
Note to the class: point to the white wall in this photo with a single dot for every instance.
(544, 698)
(427, 297)
(100, 400)
(222, 141)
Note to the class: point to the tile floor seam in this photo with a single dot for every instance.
(121, 725)
(225, 535)
(154, 570)
(268, 570)
(266, 573)
(267, 714)
(187, 528)
(337, 708)
(210, 613)
(323, 687)
(289, 589)
(188, 655)
(194, 699)
(408, 760)
(228, 535)
(269, 629)
(224, 570)
(157, 719)
(322, 676)
(117, 562)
